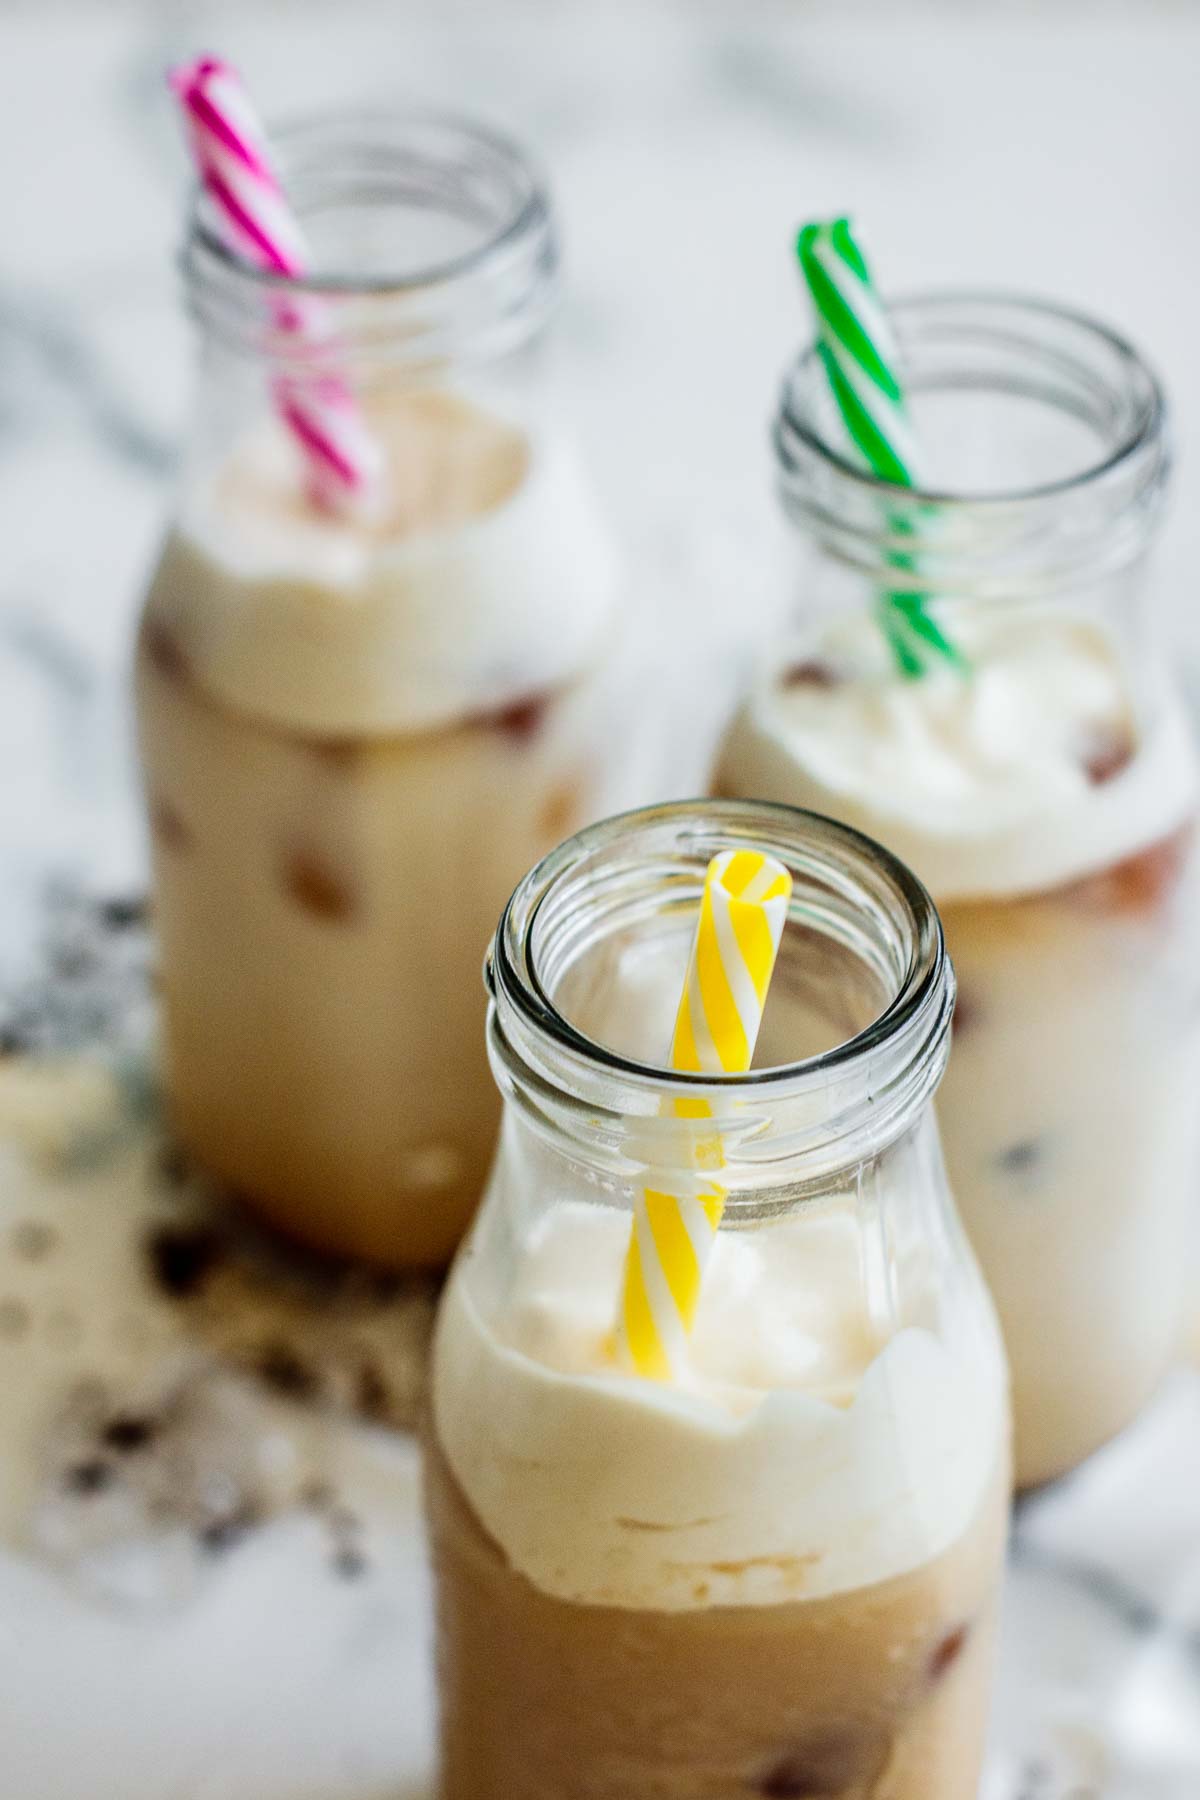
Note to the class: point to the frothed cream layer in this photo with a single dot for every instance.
(484, 577)
(1027, 770)
(803, 1457)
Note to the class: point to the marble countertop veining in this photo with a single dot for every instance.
(1040, 146)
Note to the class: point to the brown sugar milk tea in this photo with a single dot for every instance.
(359, 726)
(772, 1572)
(1045, 792)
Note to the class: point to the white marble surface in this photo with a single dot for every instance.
(1041, 146)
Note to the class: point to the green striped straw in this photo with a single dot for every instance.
(858, 348)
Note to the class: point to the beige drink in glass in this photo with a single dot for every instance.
(775, 1575)
(1046, 796)
(357, 730)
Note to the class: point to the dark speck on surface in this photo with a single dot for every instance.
(128, 1433)
(219, 1535)
(281, 1369)
(90, 1477)
(122, 912)
(1021, 1158)
(182, 1257)
(349, 1562)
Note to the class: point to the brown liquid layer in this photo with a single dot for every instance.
(878, 1694)
(323, 907)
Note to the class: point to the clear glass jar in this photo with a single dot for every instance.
(777, 1575)
(1045, 794)
(357, 732)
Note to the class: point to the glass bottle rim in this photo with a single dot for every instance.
(915, 1019)
(501, 284)
(1143, 391)
(297, 128)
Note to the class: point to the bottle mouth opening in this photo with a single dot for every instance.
(586, 970)
(995, 382)
(418, 222)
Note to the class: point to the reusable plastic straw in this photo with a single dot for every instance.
(856, 343)
(742, 913)
(234, 163)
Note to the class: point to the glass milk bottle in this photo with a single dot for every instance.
(775, 1575)
(1046, 794)
(357, 731)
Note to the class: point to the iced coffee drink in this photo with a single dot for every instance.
(776, 1574)
(1045, 792)
(358, 727)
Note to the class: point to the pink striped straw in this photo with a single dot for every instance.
(234, 164)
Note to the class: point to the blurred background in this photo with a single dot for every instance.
(1041, 146)
(1044, 146)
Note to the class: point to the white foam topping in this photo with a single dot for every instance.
(485, 578)
(803, 1457)
(1028, 770)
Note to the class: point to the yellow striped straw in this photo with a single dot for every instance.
(742, 911)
